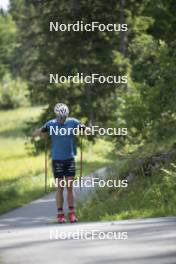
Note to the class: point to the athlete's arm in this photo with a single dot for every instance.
(40, 132)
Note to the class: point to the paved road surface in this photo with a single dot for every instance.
(30, 235)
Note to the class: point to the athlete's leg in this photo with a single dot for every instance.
(70, 195)
(69, 175)
(58, 174)
(60, 201)
(70, 198)
(59, 194)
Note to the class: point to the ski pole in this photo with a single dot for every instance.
(81, 163)
(46, 165)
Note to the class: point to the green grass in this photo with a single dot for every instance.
(146, 196)
(18, 170)
(96, 155)
(15, 161)
(22, 175)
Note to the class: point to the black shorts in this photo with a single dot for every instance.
(63, 168)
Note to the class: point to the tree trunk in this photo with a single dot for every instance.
(122, 33)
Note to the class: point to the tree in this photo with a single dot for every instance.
(69, 53)
(143, 54)
(8, 32)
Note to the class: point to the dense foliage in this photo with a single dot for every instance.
(145, 53)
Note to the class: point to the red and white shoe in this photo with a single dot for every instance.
(72, 217)
(61, 219)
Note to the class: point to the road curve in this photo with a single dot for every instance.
(30, 235)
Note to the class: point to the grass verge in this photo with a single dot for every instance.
(147, 195)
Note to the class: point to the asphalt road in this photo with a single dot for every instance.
(30, 235)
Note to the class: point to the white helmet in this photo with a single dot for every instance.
(61, 110)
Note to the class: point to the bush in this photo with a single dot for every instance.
(13, 93)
